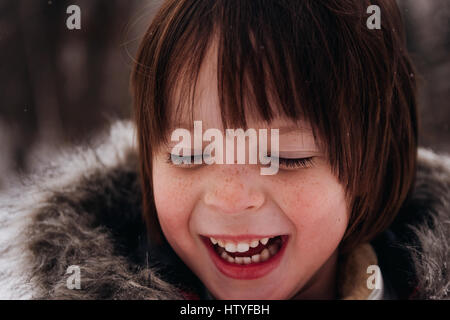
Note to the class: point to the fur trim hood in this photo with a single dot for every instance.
(84, 209)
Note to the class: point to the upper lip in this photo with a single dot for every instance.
(242, 237)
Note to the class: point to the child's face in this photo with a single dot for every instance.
(236, 204)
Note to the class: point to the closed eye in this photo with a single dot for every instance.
(184, 160)
(290, 163)
(287, 163)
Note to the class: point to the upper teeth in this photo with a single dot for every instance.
(240, 246)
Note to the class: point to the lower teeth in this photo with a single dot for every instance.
(261, 257)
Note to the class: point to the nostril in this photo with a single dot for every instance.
(255, 200)
(234, 202)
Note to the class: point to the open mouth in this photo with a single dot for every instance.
(246, 259)
(258, 250)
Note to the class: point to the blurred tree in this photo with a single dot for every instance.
(428, 35)
(59, 85)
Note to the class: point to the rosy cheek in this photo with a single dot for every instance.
(315, 205)
(172, 200)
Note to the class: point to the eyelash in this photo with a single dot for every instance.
(297, 163)
(169, 160)
(285, 162)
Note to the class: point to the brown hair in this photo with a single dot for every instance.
(318, 61)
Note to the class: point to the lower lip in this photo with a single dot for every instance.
(246, 271)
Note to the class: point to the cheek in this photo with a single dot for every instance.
(317, 207)
(174, 201)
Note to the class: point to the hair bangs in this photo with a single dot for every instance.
(263, 71)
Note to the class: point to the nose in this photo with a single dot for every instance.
(234, 192)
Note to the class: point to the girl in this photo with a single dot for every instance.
(349, 214)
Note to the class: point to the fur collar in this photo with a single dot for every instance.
(84, 210)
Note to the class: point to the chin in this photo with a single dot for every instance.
(248, 293)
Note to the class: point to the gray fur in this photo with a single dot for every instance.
(85, 210)
(432, 258)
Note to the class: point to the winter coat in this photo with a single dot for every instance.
(84, 210)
